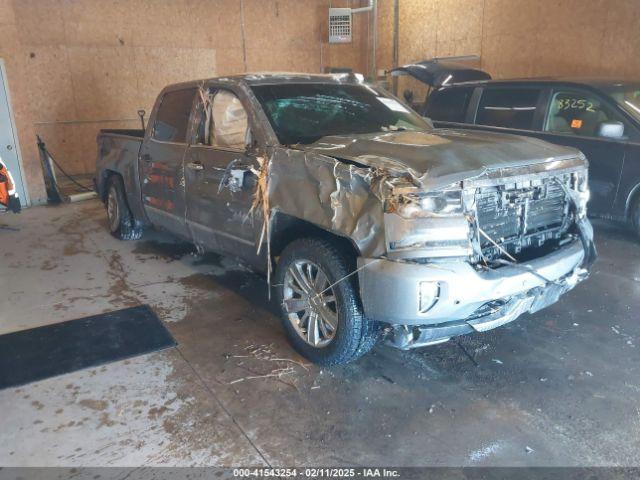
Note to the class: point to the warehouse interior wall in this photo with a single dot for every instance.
(76, 66)
(516, 38)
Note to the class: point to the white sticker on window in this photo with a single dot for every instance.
(393, 104)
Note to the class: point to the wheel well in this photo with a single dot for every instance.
(104, 180)
(285, 229)
(632, 200)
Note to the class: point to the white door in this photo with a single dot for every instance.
(8, 139)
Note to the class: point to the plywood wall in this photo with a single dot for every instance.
(516, 38)
(76, 66)
(15, 63)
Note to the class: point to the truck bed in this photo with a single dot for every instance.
(118, 151)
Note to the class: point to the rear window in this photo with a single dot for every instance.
(508, 107)
(172, 119)
(449, 105)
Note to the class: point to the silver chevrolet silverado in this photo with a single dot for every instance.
(369, 224)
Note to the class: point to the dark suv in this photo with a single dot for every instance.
(600, 117)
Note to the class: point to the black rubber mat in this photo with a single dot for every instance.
(44, 352)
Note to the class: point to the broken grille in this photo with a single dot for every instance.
(519, 217)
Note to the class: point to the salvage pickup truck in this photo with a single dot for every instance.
(369, 224)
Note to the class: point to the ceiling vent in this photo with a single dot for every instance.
(340, 25)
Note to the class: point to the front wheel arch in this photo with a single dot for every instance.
(286, 228)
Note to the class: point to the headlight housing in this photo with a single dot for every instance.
(427, 225)
(420, 205)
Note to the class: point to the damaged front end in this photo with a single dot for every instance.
(455, 231)
(478, 253)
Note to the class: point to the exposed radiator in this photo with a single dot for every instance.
(519, 217)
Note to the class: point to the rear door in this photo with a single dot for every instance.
(218, 174)
(573, 119)
(161, 161)
(448, 107)
(516, 108)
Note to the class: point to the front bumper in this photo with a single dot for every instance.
(474, 299)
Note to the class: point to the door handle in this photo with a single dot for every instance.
(146, 158)
(195, 166)
(9, 147)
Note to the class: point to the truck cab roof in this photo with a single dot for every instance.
(274, 78)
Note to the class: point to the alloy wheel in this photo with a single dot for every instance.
(113, 210)
(310, 303)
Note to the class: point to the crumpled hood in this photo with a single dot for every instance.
(442, 156)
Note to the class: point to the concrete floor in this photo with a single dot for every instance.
(561, 387)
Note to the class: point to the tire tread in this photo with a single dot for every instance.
(364, 333)
(128, 229)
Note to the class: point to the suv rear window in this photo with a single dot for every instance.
(508, 107)
(449, 104)
(172, 119)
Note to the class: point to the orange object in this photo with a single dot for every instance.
(8, 195)
(576, 123)
(6, 185)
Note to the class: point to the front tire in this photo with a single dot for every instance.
(322, 317)
(121, 222)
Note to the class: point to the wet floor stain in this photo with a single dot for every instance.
(167, 251)
(558, 386)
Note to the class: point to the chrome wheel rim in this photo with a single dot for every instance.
(113, 211)
(309, 302)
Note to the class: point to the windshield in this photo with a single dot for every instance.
(627, 96)
(305, 112)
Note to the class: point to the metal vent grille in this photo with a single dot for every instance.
(339, 25)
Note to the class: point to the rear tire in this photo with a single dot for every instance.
(122, 225)
(326, 263)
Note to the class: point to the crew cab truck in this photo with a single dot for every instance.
(369, 223)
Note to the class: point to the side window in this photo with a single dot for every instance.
(508, 107)
(449, 105)
(578, 113)
(172, 119)
(223, 121)
(230, 122)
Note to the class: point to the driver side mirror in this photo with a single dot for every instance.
(611, 129)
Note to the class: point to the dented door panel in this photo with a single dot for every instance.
(163, 192)
(217, 201)
(162, 156)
